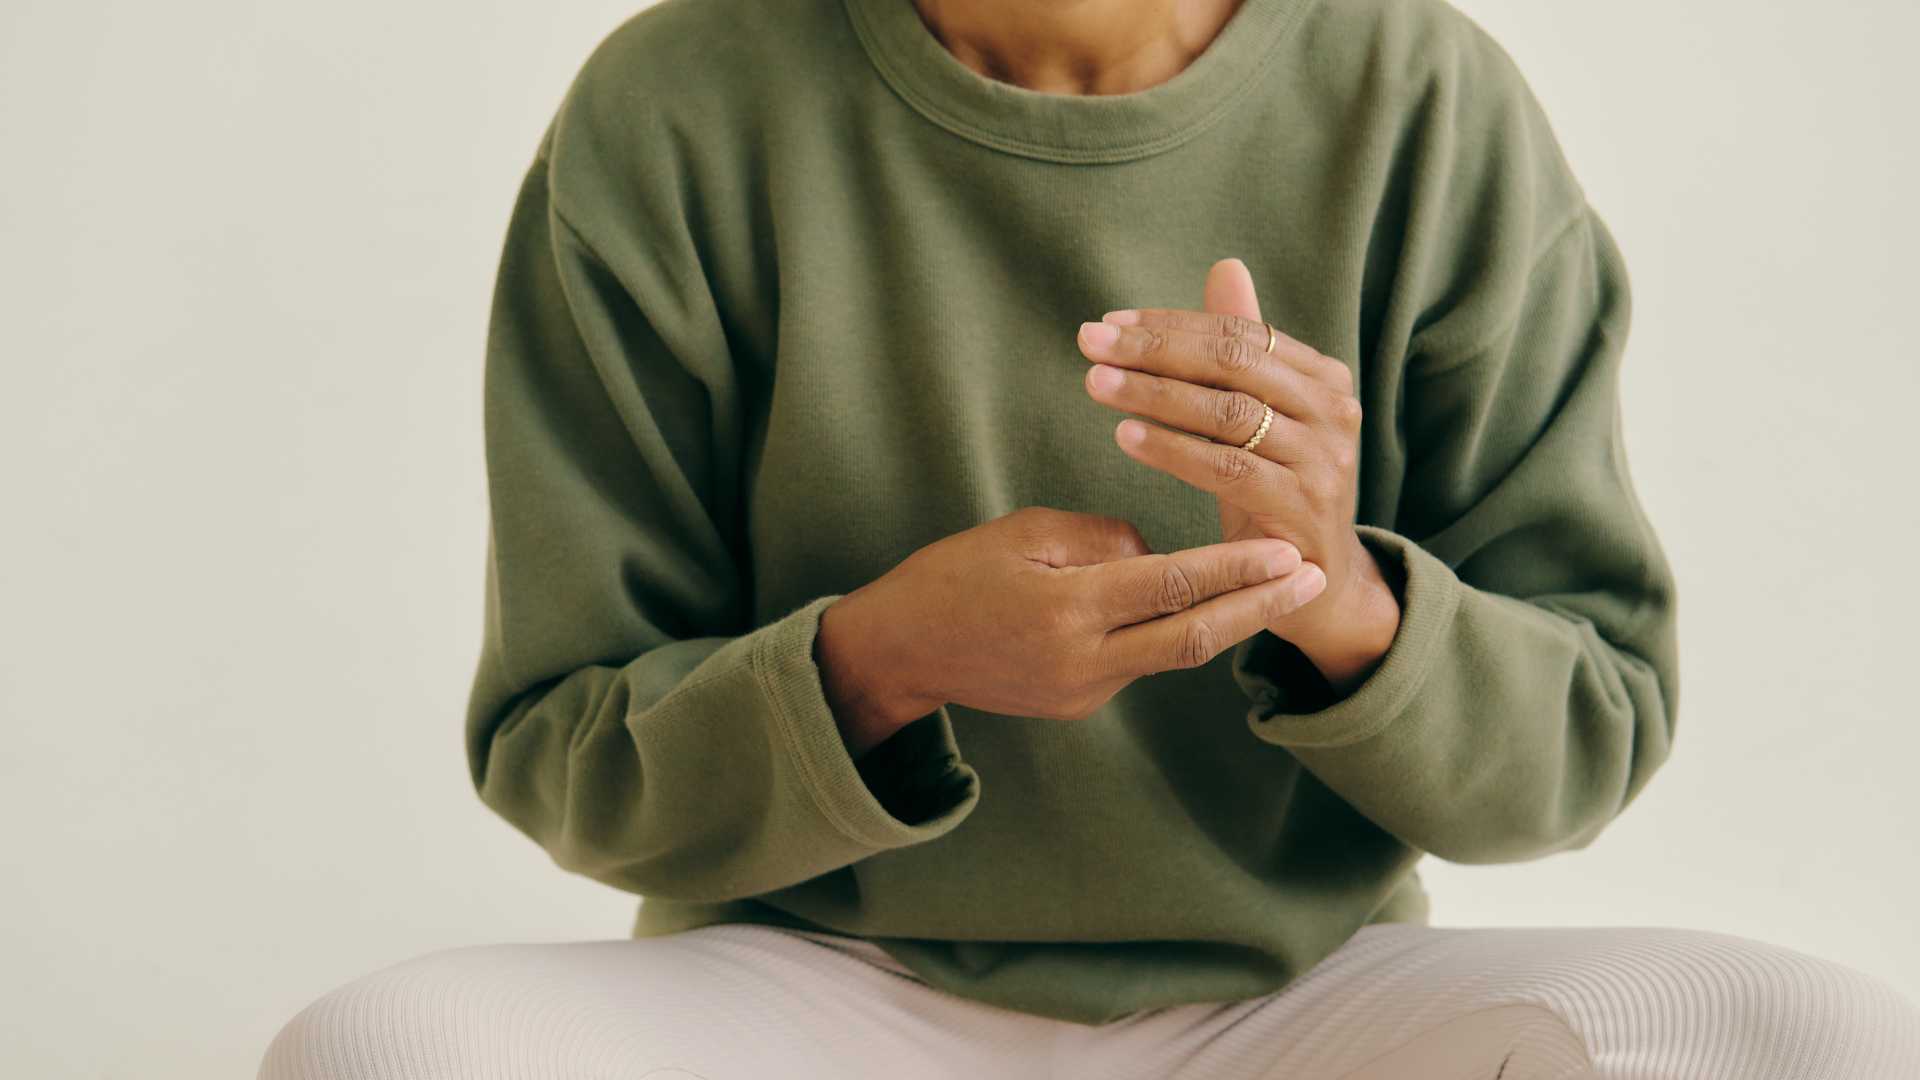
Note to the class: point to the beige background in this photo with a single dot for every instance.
(245, 251)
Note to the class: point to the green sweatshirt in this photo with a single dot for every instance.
(790, 292)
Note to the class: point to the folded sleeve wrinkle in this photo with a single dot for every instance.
(1531, 689)
(624, 713)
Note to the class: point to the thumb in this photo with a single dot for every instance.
(1230, 290)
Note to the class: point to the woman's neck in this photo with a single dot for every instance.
(1077, 46)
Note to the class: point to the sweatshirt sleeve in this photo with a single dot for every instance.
(1531, 689)
(625, 714)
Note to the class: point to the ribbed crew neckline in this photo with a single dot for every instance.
(1071, 128)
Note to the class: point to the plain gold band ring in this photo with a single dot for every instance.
(1272, 336)
(1266, 421)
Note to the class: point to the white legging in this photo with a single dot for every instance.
(1396, 1002)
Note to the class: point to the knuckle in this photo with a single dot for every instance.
(1035, 519)
(1198, 643)
(1323, 487)
(1153, 341)
(1232, 465)
(1127, 536)
(1238, 414)
(1233, 354)
(1175, 591)
(1151, 392)
(1348, 409)
(1344, 458)
(1031, 529)
(1341, 376)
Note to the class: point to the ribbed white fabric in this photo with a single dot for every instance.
(1397, 1002)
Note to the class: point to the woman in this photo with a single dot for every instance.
(949, 723)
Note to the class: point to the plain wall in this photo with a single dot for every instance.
(245, 258)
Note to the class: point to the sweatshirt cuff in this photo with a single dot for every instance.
(1293, 704)
(927, 760)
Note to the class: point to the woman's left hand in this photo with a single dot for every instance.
(1209, 373)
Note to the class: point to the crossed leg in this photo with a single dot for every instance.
(1397, 1002)
(1408, 1002)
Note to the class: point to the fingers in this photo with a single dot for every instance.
(1225, 363)
(1225, 416)
(1148, 586)
(1251, 332)
(1241, 477)
(1200, 633)
(1229, 290)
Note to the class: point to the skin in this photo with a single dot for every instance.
(1047, 613)
(1044, 613)
(1204, 375)
(1076, 46)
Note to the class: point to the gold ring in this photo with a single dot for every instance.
(1266, 422)
(1271, 336)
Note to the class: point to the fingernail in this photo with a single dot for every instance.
(1123, 317)
(1312, 581)
(1102, 377)
(1098, 337)
(1131, 432)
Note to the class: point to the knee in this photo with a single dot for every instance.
(416, 1018)
(1761, 1010)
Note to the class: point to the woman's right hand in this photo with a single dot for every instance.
(1044, 613)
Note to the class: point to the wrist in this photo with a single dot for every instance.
(1347, 640)
(871, 692)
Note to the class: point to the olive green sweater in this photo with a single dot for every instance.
(790, 292)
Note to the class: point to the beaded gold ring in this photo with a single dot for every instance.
(1266, 422)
